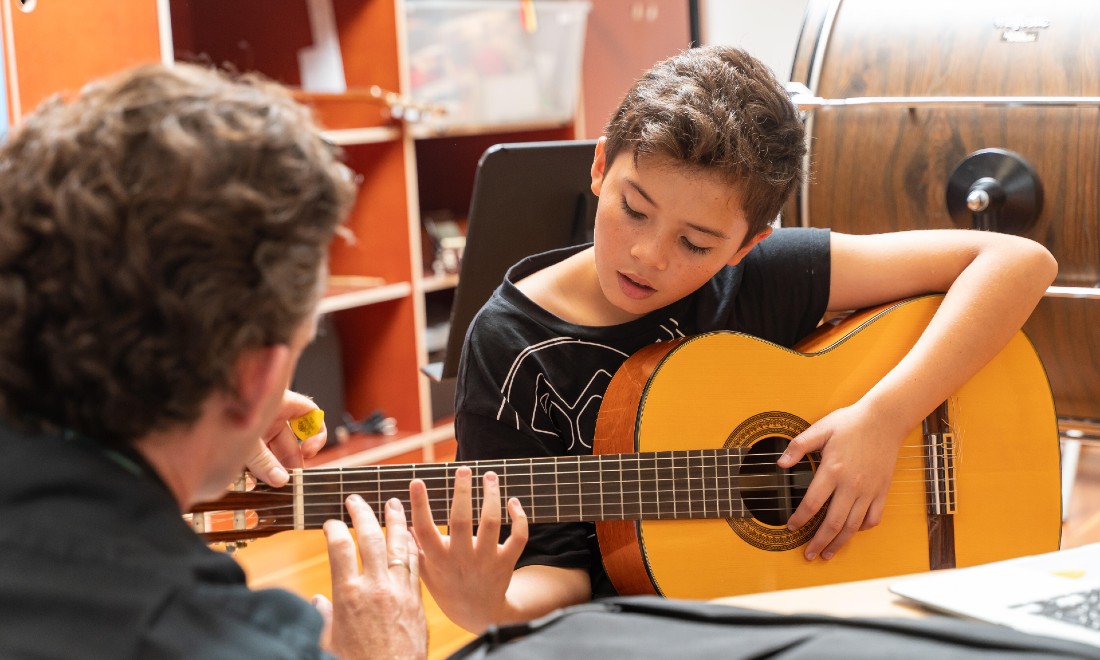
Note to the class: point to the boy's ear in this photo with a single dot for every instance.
(599, 166)
(260, 375)
(740, 254)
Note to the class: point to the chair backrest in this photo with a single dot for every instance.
(528, 197)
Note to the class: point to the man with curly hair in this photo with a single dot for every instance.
(163, 241)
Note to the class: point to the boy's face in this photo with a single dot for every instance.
(662, 230)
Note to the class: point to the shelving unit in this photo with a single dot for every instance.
(382, 296)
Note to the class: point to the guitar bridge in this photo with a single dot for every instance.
(939, 460)
(939, 487)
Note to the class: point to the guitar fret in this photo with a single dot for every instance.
(629, 495)
(647, 485)
(715, 482)
(720, 510)
(557, 494)
(667, 508)
(311, 499)
(530, 505)
(544, 499)
(580, 491)
(693, 478)
(599, 480)
(700, 486)
(377, 498)
(612, 483)
(437, 483)
(568, 490)
(344, 517)
(685, 481)
(685, 485)
(678, 486)
(590, 489)
(725, 482)
(690, 485)
(475, 488)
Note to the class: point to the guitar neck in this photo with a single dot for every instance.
(657, 485)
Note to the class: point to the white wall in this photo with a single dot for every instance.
(768, 29)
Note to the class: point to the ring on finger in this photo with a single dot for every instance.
(399, 562)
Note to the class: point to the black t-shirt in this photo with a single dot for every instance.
(97, 562)
(530, 384)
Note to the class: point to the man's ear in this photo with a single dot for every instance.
(599, 165)
(260, 378)
(740, 254)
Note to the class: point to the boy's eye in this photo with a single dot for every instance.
(693, 247)
(629, 211)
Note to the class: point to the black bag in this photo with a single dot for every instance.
(652, 627)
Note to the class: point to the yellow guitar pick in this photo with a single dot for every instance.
(308, 425)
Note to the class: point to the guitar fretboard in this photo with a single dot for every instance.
(659, 485)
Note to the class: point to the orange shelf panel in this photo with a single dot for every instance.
(379, 220)
(381, 365)
(59, 46)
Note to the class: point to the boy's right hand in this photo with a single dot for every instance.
(468, 575)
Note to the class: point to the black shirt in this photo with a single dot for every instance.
(97, 562)
(530, 384)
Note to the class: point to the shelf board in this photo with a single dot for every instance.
(426, 131)
(366, 135)
(368, 449)
(343, 297)
(440, 282)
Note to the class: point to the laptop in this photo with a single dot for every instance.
(1055, 594)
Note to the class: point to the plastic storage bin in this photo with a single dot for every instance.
(490, 65)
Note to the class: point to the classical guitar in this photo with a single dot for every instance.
(683, 486)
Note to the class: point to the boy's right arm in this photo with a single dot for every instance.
(473, 577)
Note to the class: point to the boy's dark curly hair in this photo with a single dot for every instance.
(721, 109)
(151, 229)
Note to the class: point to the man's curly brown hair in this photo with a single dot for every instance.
(151, 229)
(720, 109)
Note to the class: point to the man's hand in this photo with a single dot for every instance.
(376, 611)
(279, 448)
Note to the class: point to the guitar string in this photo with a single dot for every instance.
(314, 519)
(564, 478)
(558, 462)
(657, 495)
(532, 509)
(660, 455)
(385, 476)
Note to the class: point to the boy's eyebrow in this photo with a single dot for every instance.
(699, 228)
(708, 230)
(641, 192)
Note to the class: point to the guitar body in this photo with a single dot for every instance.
(726, 389)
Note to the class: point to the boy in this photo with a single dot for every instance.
(696, 164)
(162, 252)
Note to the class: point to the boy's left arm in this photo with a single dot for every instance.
(992, 283)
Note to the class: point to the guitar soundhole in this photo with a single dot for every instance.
(770, 495)
(769, 492)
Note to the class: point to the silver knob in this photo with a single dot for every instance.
(977, 200)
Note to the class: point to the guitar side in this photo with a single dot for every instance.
(698, 393)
